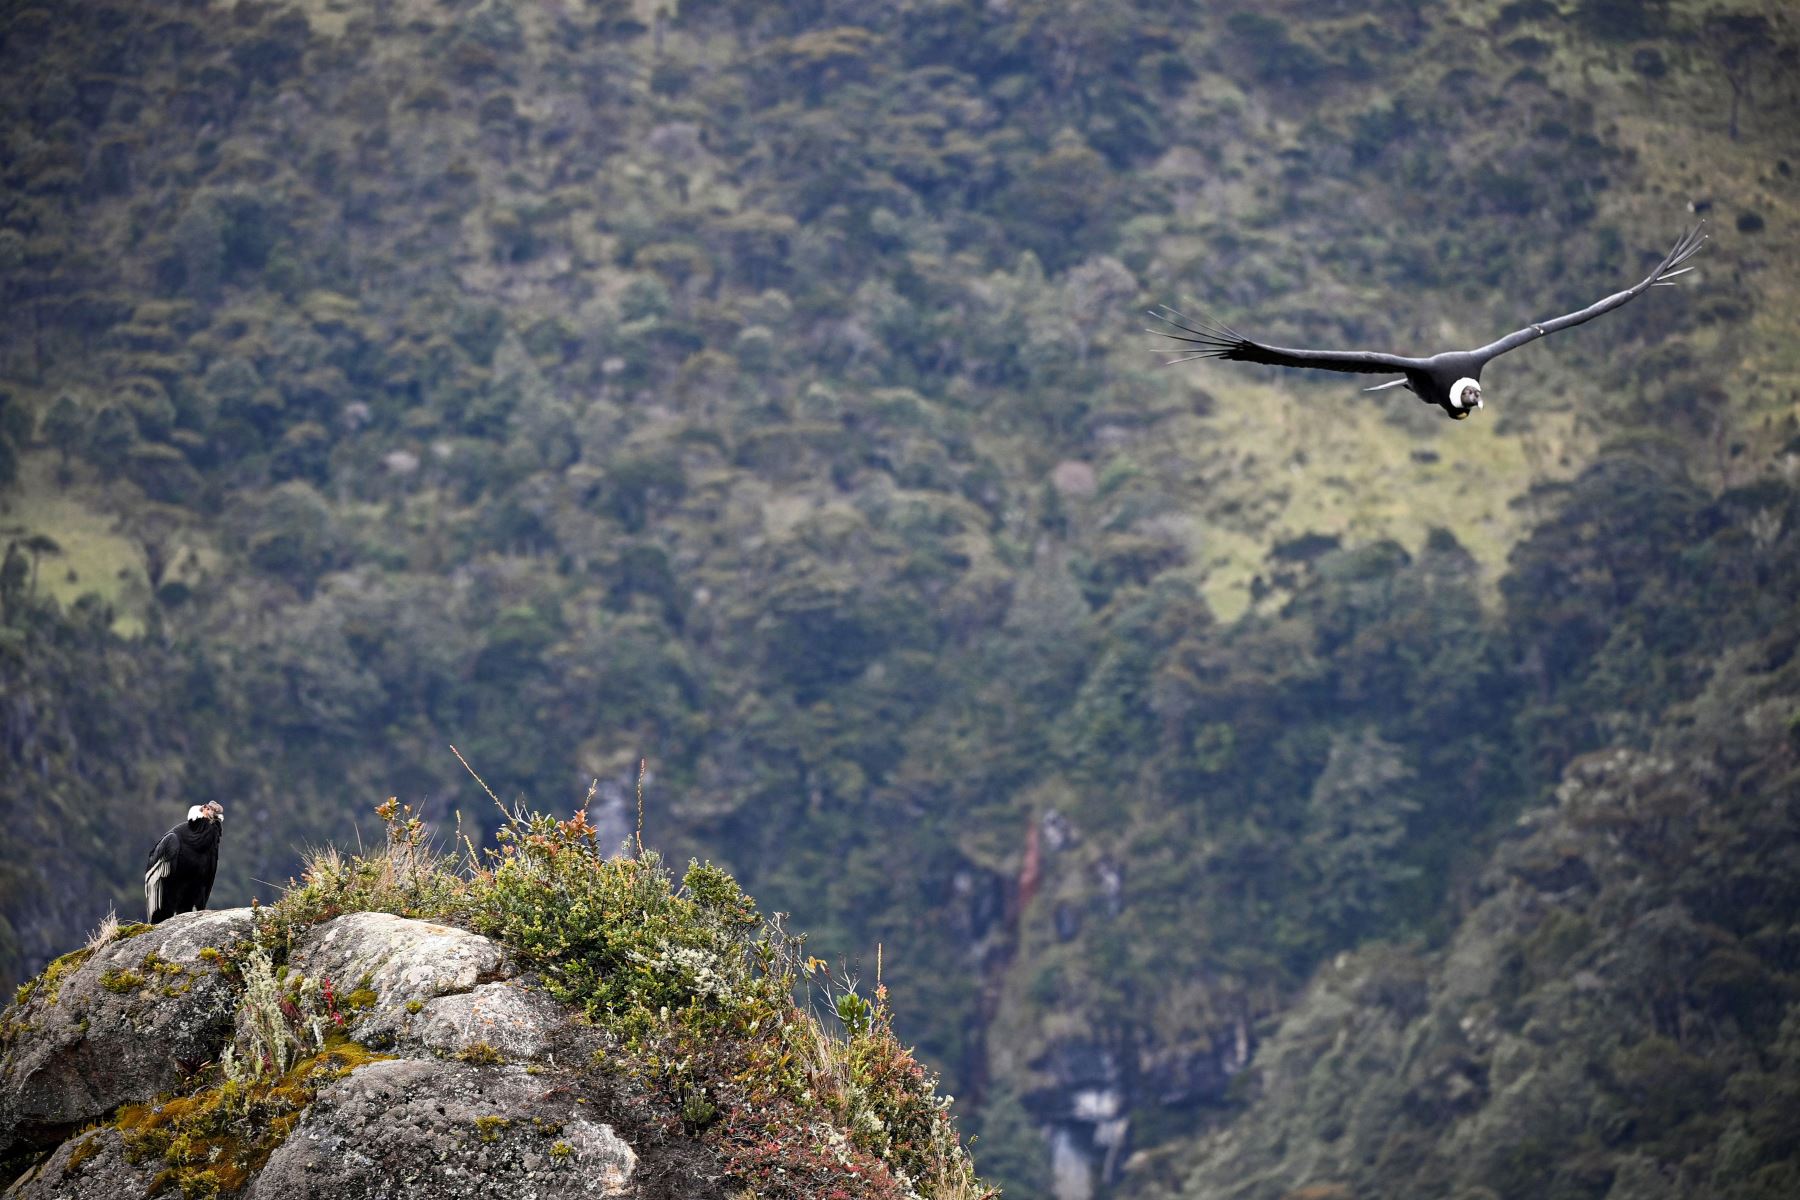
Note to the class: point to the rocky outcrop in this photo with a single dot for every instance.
(399, 959)
(425, 986)
(121, 1023)
(465, 1075)
(413, 1127)
(91, 1165)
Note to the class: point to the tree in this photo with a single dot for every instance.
(66, 429)
(540, 424)
(1623, 20)
(155, 528)
(13, 288)
(1058, 204)
(15, 427)
(293, 535)
(15, 574)
(1736, 41)
(1356, 821)
(196, 264)
(111, 436)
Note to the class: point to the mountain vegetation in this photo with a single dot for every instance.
(753, 390)
(339, 1040)
(1614, 1016)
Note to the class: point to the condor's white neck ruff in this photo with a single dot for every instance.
(1465, 393)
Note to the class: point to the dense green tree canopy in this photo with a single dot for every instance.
(753, 389)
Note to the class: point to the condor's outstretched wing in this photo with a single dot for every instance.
(1665, 272)
(1200, 338)
(156, 872)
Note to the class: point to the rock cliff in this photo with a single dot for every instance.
(543, 1019)
(444, 1070)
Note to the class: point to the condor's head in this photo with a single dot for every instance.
(212, 810)
(1465, 398)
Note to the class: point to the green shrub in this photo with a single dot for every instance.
(612, 934)
(694, 990)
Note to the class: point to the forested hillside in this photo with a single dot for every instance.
(758, 390)
(1615, 1017)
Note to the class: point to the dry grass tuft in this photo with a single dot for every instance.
(107, 931)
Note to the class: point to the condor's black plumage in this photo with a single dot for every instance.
(1451, 380)
(179, 876)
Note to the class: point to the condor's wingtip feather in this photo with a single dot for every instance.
(1200, 337)
(1684, 249)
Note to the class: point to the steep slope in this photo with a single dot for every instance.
(1339, 757)
(1618, 1015)
(753, 390)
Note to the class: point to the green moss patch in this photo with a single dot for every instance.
(480, 1054)
(489, 1129)
(212, 1141)
(121, 981)
(49, 982)
(84, 1150)
(157, 964)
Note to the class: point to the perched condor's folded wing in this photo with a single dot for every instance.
(156, 875)
(1686, 248)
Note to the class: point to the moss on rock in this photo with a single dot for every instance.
(214, 1140)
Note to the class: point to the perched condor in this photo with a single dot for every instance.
(179, 876)
(1451, 380)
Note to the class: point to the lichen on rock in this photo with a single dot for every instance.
(416, 1127)
(398, 959)
(106, 1070)
(611, 1032)
(515, 1020)
(89, 1043)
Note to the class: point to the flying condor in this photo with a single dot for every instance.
(1451, 380)
(179, 876)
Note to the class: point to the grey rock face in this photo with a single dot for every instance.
(137, 1017)
(435, 986)
(132, 1020)
(418, 1128)
(513, 1019)
(83, 1168)
(402, 959)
